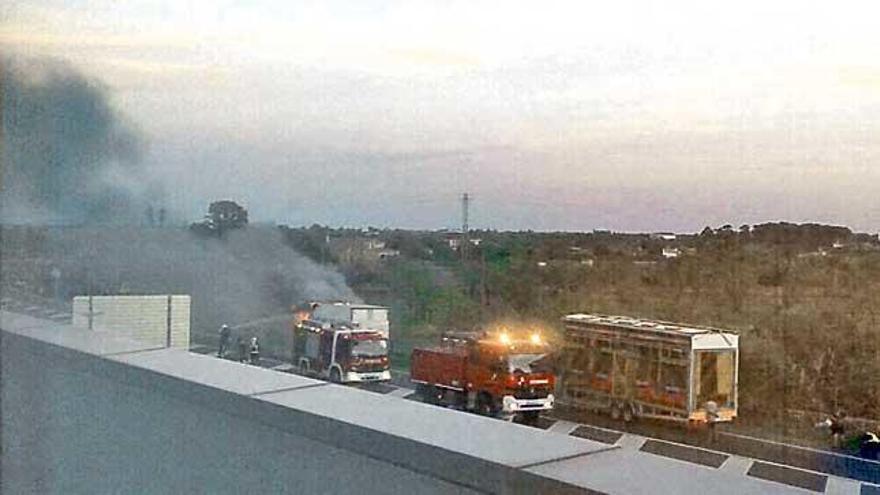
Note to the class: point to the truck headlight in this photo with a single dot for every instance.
(509, 403)
(550, 399)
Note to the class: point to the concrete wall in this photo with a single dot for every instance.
(141, 318)
(84, 414)
(89, 412)
(70, 428)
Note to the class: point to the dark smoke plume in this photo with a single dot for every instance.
(68, 158)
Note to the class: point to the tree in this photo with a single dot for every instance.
(222, 216)
(227, 215)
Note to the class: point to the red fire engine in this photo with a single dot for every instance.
(492, 375)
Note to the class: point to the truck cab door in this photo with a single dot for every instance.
(326, 357)
(341, 351)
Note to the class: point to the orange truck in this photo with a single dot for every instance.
(492, 375)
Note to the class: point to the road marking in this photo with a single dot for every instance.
(554, 418)
(790, 445)
(563, 427)
(737, 464)
(842, 486)
(401, 392)
(631, 442)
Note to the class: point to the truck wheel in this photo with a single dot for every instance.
(628, 415)
(422, 392)
(485, 405)
(335, 376)
(429, 394)
(530, 418)
(616, 412)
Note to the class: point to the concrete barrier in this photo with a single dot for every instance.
(84, 415)
(88, 412)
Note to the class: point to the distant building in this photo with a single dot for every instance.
(663, 236)
(388, 253)
(669, 253)
(376, 244)
(454, 241)
(361, 250)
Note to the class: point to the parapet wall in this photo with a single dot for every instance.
(85, 414)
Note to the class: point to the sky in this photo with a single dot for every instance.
(629, 116)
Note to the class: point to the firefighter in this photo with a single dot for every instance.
(254, 351)
(834, 423)
(225, 333)
(242, 350)
(712, 419)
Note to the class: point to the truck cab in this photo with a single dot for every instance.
(511, 372)
(341, 354)
(492, 375)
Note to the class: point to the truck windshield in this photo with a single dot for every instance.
(369, 348)
(522, 362)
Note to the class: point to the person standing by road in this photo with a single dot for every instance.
(225, 333)
(242, 350)
(712, 420)
(255, 351)
(834, 423)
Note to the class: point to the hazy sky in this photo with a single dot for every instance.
(622, 115)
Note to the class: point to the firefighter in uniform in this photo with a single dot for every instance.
(712, 419)
(834, 423)
(242, 350)
(225, 333)
(254, 351)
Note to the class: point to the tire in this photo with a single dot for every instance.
(530, 418)
(616, 412)
(628, 415)
(429, 394)
(485, 407)
(422, 392)
(335, 376)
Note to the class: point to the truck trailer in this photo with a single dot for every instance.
(491, 375)
(634, 368)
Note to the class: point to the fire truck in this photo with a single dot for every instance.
(489, 374)
(634, 368)
(342, 349)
